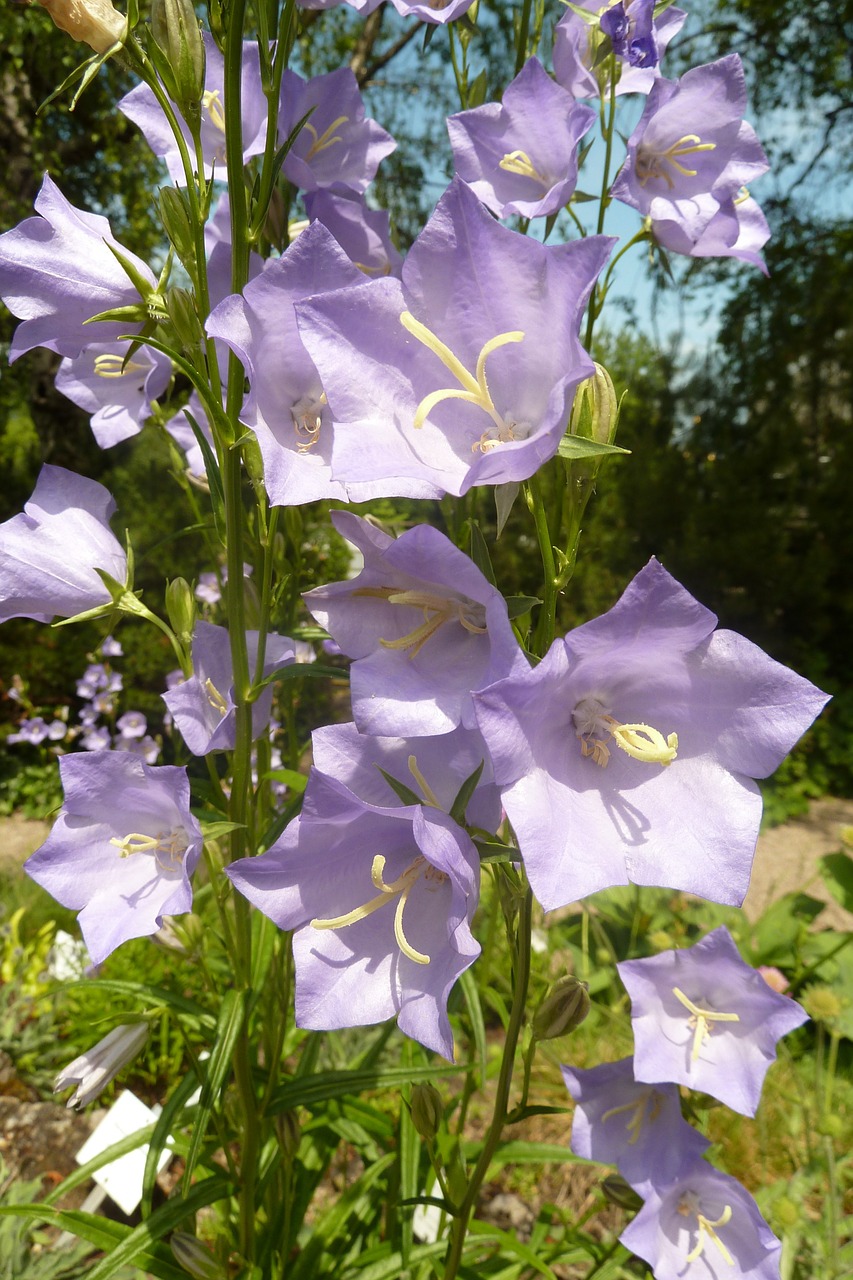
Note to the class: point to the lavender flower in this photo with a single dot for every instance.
(132, 724)
(520, 155)
(737, 230)
(49, 553)
(424, 626)
(577, 43)
(336, 147)
(363, 233)
(97, 739)
(704, 1018)
(637, 1127)
(203, 707)
(122, 849)
(208, 589)
(627, 755)
(706, 1217)
(437, 12)
(463, 374)
(32, 731)
(381, 901)
(111, 648)
(95, 1068)
(57, 270)
(117, 391)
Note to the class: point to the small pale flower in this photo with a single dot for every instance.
(95, 1068)
(132, 724)
(96, 23)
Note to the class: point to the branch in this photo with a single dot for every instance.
(383, 59)
(364, 45)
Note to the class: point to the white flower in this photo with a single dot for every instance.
(93, 1070)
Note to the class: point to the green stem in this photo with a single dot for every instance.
(547, 621)
(596, 300)
(523, 35)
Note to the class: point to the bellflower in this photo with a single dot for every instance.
(704, 1018)
(287, 406)
(440, 12)
(337, 146)
(704, 1217)
(691, 151)
(117, 391)
(141, 106)
(122, 849)
(520, 155)
(49, 553)
(424, 625)
(434, 768)
(637, 1127)
(57, 271)
(96, 23)
(628, 755)
(180, 429)
(637, 42)
(363, 233)
(95, 1068)
(381, 901)
(203, 707)
(737, 230)
(464, 373)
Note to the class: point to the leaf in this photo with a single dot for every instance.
(404, 793)
(390, 1267)
(471, 993)
(295, 781)
(532, 1153)
(213, 830)
(102, 1233)
(517, 606)
(113, 1152)
(575, 447)
(144, 993)
(837, 872)
(479, 552)
(214, 475)
(308, 1091)
(505, 496)
(464, 794)
(160, 1134)
(232, 1016)
(510, 1244)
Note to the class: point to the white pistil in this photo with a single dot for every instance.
(689, 1206)
(168, 847)
(437, 610)
(307, 415)
(473, 386)
(325, 139)
(700, 1020)
(653, 164)
(212, 104)
(637, 1110)
(595, 727)
(111, 365)
(215, 698)
(400, 889)
(519, 162)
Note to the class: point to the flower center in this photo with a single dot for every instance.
(653, 164)
(519, 162)
(215, 698)
(326, 139)
(690, 1206)
(212, 104)
(636, 1111)
(307, 415)
(168, 847)
(492, 438)
(700, 1020)
(595, 726)
(399, 889)
(437, 610)
(112, 365)
(473, 386)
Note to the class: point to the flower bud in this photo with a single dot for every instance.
(618, 1192)
(175, 215)
(96, 23)
(181, 608)
(181, 307)
(427, 1110)
(595, 411)
(195, 1257)
(563, 1009)
(95, 1068)
(289, 1133)
(176, 30)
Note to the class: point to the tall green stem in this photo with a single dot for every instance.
(546, 624)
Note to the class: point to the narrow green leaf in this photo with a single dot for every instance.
(85, 1171)
(464, 794)
(310, 1090)
(148, 995)
(390, 1266)
(295, 781)
(517, 606)
(471, 993)
(231, 1019)
(479, 552)
(160, 1134)
(101, 1233)
(837, 872)
(575, 447)
(404, 793)
(214, 475)
(213, 830)
(510, 1245)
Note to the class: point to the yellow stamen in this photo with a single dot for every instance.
(426, 790)
(652, 164)
(112, 365)
(474, 387)
(324, 140)
(436, 610)
(212, 104)
(637, 1110)
(402, 886)
(707, 1228)
(701, 1020)
(519, 162)
(168, 848)
(596, 727)
(215, 698)
(307, 415)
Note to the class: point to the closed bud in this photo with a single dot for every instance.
(182, 312)
(95, 1068)
(289, 1133)
(563, 1009)
(175, 215)
(427, 1110)
(176, 30)
(195, 1257)
(181, 608)
(618, 1192)
(595, 411)
(96, 23)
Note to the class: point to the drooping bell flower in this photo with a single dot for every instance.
(381, 903)
(49, 553)
(438, 12)
(141, 106)
(704, 1223)
(116, 389)
(738, 229)
(93, 1070)
(424, 626)
(638, 42)
(363, 233)
(57, 270)
(122, 849)
(338, 146)
(96, 23)
(520, 155)
(704, 1018)
(463, 374)
(628, 754)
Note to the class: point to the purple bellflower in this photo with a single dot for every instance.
(57, 270)
(691, 152)
(638, 43)
(49, 553)
(287, 405)
(364, 7)
(439, 12)
(141, 106)
(520, 156)
(628, 755)
(737, 230)
(122, 849)
(637, 1127)
(704, 1018)
(203, 707)
(181, 431)
(337, 146)
(363, 233)
(465, 373)
(424, 625)
(117, 391)
(704, 1217)
(381, 901)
